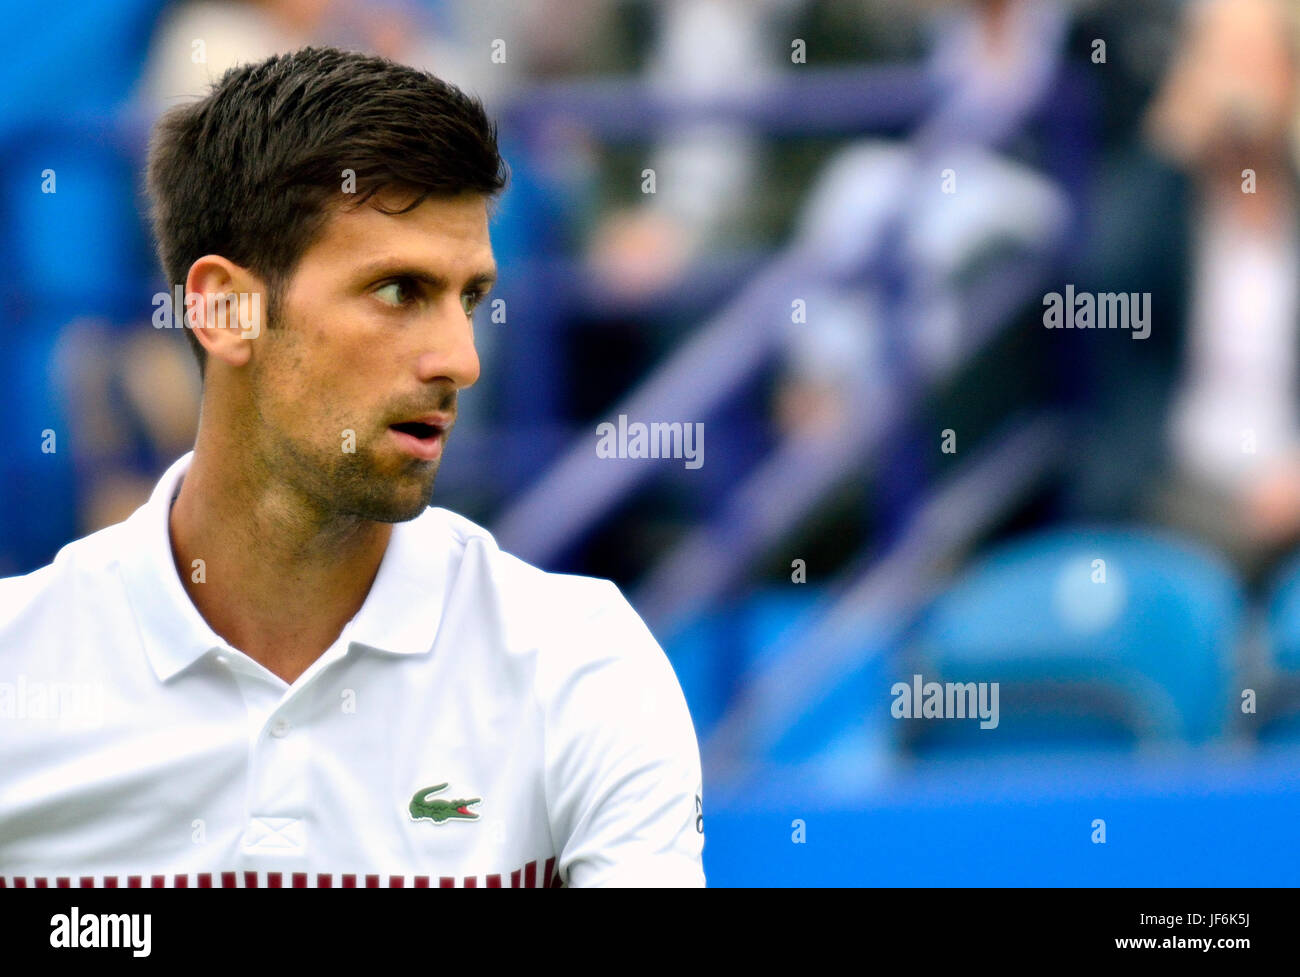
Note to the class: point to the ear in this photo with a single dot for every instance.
(223, 305)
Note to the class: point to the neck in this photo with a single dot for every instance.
(280, 578)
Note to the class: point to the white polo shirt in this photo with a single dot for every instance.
(479, 723)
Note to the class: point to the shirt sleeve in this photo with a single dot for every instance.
(623, 777)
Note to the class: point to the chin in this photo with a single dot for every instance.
(386, 510)
(393, 518)
(403, 514)
(372, 488)
(402, 506)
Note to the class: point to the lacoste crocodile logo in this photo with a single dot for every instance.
(440, 810)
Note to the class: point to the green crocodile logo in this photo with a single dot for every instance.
(441, 810)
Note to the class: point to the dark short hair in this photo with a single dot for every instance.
(250, 171)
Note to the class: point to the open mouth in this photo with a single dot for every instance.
(416, 429)
(419, 438)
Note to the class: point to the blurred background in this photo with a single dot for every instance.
(828, 231)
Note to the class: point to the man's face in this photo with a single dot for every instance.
(373, 331)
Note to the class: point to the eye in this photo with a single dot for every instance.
(398, 292)
(469, 301)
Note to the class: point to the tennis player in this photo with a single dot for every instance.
(286, 668)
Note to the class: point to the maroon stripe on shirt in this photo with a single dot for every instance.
(20, 882)
(519, 878)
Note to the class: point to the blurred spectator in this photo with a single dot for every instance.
(135, 396)
(896, 244)
(1201, 429)
(198, 41)
(705, 174)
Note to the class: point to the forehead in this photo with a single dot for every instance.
(449, 229)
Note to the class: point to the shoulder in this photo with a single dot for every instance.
(82, 571)
(577, 626)
(543, 602)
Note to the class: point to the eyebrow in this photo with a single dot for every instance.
(390, 268)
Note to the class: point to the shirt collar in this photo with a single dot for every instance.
(400, 615)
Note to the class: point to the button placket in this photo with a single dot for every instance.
(278, 774)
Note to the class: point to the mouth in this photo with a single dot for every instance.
(422, 437)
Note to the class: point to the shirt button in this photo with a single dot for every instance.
(280, 728)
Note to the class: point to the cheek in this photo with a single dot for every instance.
(312, 345)
(327, 365)
(283, 372)
(335, 334)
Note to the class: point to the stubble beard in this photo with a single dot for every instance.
(351, 486)
(341, 482)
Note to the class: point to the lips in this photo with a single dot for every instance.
(422, 436)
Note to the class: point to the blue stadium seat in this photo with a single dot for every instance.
(699, 655)
(80, 249)
(1097, 637)
(836, 740)
(836, 731)
(82, 64)
(38, 490)
(719, 650)
(1284, 617)
(1279, 708)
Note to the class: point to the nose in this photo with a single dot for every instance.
(450, 354)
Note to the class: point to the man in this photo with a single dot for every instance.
(285, 668)
(1198, 427)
